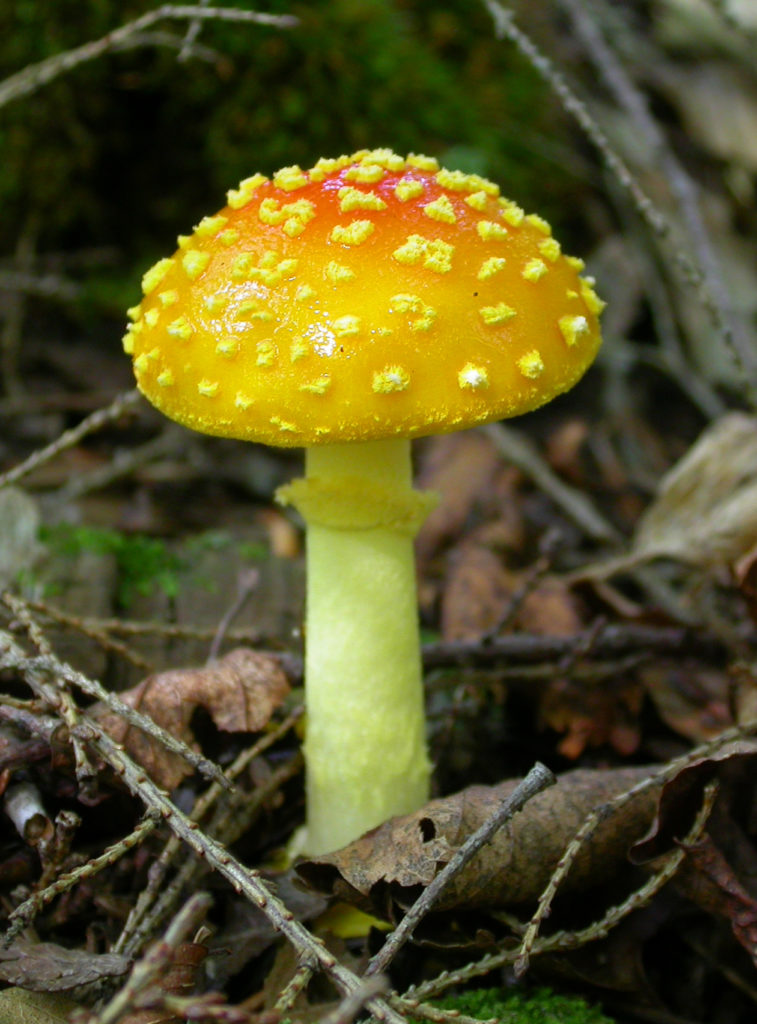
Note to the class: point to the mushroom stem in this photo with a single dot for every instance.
(365, 747)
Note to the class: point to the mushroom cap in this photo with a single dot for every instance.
(371, 296)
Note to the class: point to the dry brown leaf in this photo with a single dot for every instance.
(479, 590)
(240, 692)
(476, 593)
(692, 699)
(388, 865)
(47, 967)
(592, 716)
(463, 469)
(711, 883)
(705, 510)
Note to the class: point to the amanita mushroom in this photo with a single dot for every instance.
(347, 309)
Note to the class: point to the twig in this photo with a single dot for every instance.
(50, 286)
(538, 779)
(514, 446)
(691, 274)
(296, 984)
(353, 1003)
(63, 672)
(97, 635)
(172, 440)
(35, 76)
(191, 34)
(121, 404)
(245, 881)
(190, 870)
(662, 157)
(25, 912)
(563, 941)
(601, 813)
(157, 958)
(247, 580)
(614, 641)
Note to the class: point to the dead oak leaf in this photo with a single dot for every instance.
(386, 867)
(47, 967)
(240, 692)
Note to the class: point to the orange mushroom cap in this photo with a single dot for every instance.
(371, 296)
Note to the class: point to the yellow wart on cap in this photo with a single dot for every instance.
(337, 273)
(352, 234)
(490, 231)
(539, 223)
(194, 263)
(208, 388)
(473, 378)
(593, 302)
(408, 188)
(152, 278)
(298, 349)
(392, 378)
(534, 270)
(239, 197)
(345, 326)
(290, 178)
(477, 201)
(490, 267)
(168, 298)
(511, 213)
(165, 379)
(573, 328)
(151, 317)
(319, 386)
(227, 347)
(266, 351)
(441, 209)
(423, 163)
(550, 249)
(531, 364)
(499, 314)
(180, 328)
(216, 302)
(366, 174)
(405, 303)
(354, 199)
(211, 225)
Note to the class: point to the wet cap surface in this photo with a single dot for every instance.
(371, 296)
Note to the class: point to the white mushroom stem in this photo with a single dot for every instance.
(365, 748)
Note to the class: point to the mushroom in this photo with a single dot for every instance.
(347, 309)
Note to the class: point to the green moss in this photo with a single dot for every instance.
(536, 1006)
(144, 563)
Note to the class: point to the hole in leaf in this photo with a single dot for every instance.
(428, 829)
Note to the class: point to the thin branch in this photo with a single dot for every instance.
(537, 780)
(689, 272)
(33, 77)
(245, 881)
(89, 425)
(25, 912)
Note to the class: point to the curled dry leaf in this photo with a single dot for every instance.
(47, 967)
(386, 866)
(240, 692)
(705, 510)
